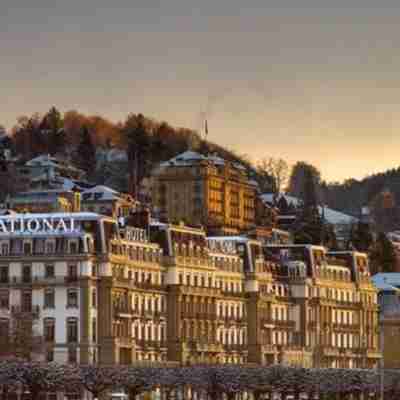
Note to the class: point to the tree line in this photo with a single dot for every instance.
(77, 137)
(214, 382)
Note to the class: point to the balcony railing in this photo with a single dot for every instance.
(39, 280)
(151, 343)
(270, 323)
(235, 347)
(346, 327)
(134, 313)
(29, 309)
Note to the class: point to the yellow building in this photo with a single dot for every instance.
(205, 191)
(45, 201)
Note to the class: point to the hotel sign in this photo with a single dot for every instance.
(32, 225)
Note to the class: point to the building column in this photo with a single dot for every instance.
(108, 348)
(85, 320)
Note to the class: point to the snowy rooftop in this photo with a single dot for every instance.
(186, 158)
(189, 158)
(101, 192)
(394, 237)
(387, 281)
(77, 216)
(332, 216)
(45, 160)
(239, 239)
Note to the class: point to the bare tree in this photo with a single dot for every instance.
(98, 380)
(278, 171)
(23, 340)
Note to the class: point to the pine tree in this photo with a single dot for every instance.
(360, 237)
(310, 226)
(139, 147)
(383, 256)
(86, 153)
(53, 129)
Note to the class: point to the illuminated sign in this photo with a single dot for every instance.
(30, 225)
(135, 234)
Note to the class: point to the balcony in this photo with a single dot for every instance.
(368, 353)
(123, 312)
(275, 323)
(207, 347)
(26, 309)
(346, 327)
(228, 293)
(125, 341)
(235, 347)
(231, 320)
(40, 281)
(200, 290)
(285, 324)
(146, 344)
(130, 312)
(330, 351)
(45, 255)
(269, 348)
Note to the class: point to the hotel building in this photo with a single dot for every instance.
(205, 191)
(101, 293)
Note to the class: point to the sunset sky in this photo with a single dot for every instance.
(312, 80)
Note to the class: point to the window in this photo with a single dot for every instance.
(4, 299)
(72, 330)
(26, 302)
(72, 298)
(4, 331)
(72, 271)
(73, 248)
(94, 298)
(49, 330)
(49, 298)
(26, 274)
(27, 248)
(49, 271)
(50, 356)
(94, 330)
(4, 275)
(4, 249)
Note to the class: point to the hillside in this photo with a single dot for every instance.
(62, 134)
(352, 195)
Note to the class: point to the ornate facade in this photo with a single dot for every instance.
(170, 293)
